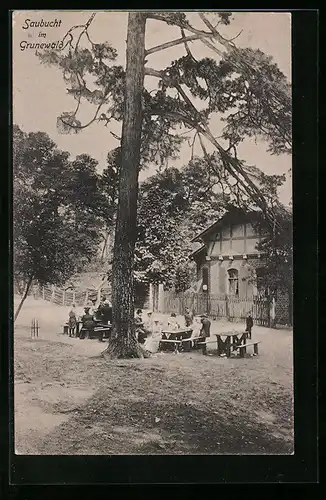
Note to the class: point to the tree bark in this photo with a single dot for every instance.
(123, 342)
(28, 286)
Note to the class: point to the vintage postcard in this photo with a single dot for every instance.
(152, 219)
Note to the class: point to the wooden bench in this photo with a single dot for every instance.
(89, 334)
(234, 346)
(188, 343)
(175, 342)
(242, 348)
(190, 338)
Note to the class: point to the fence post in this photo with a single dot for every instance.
(52, 294)
(86, 298)
(43, 293)
(74, 297)
(63, 297)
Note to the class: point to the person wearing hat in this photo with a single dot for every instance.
(249, 325)
(205, 330)
(105, 311)
(139, 326)
(72, 321)
(92, 307)
(189, 317)
(104, 314)
(87, 323)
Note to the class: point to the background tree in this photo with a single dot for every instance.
(277, 243)
(109, 186)
(55, 220)
(174, 205)
(243, 86)
(278, 250)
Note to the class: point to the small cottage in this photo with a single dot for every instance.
(228, 262)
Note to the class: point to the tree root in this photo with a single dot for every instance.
(117, 350)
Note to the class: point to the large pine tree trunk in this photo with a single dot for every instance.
(123, 342)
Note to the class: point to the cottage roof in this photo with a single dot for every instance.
(232, 216)
(198, 251)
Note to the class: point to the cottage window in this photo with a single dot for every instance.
(233, 282)
(262, 290)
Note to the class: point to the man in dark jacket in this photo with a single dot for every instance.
(249, 325)
(205, 330)
(189, 317)
(104, 314)
(88, 324)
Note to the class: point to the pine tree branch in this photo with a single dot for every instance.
(218, 36)
(185, 42)
(175, 42)
(232, 165)
(115, 136)
(73, 28)
(154, 72)
(242, 67)
(80, 127)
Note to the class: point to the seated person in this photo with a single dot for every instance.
(196, 330)
(149, 324)
(104, 315)
(88, 323)
(105, 312)
(196, 326)
(139, 317)
(157, 328)
(92, 307)
(172, 322)
(141, 333)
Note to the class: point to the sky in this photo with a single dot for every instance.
(40, 96)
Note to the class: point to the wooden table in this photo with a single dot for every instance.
(232, 339)
(176, 339)
(98, 328)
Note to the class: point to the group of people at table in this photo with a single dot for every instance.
(94, 314)
(89, 317)
(151, 330)
(148, 328)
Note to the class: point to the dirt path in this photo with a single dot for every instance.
(69, 402)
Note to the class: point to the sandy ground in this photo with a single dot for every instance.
(68, 400)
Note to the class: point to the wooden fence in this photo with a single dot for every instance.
(231, 308)
(65, 297)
